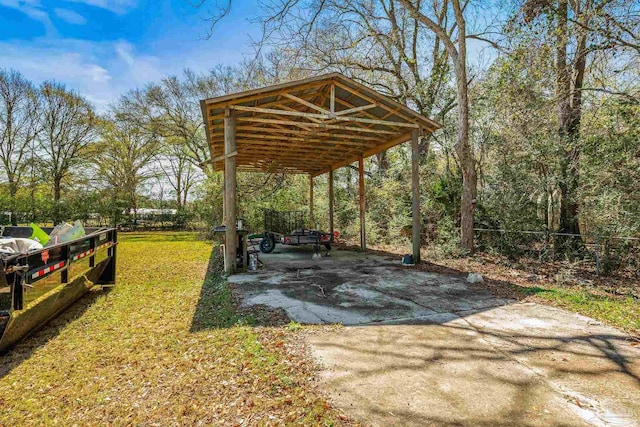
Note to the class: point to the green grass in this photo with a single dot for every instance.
(164, 347)
(623, 312)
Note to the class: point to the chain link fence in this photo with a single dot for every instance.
(603, 255)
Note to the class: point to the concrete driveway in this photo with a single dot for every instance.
(427, 349)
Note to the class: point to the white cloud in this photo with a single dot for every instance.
(70, 16)
(117, 6)
(101, 71)
(125, 52)
(34, 10)
(82, 66)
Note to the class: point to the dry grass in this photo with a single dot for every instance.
(160, 350)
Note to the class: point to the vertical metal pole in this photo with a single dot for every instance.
(311, 218)
(415, 196)
(231, 239)
(331, 202)
(363, 233)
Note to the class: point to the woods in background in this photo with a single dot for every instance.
(542, 134)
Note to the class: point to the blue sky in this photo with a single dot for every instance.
(104, 47)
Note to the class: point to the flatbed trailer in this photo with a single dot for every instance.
(288, 228)
(36, 287)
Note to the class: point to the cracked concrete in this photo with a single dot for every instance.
(427, 349)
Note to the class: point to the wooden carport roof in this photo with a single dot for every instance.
(308, 126)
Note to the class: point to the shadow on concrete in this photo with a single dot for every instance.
(465, 374)
(41, 336)
(355, 288)
(430, 349)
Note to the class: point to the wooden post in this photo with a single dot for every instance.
(331, 202)
(415, 195)
(231, 238)
(311, 219)
(363, 233)
(332, 99)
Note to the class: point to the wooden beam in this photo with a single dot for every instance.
(311, 218)
(269, 91)
(291, 109)
(305, 103)
(231, 238)
(224, 156)
(332, 99)
(304, 141)
(331, 202)
(263, 150)
(315, 133)
(415, 196)
(278, 101)
(301, 114)
(375, 150)
(301, 135)
(316, 125)
(363, 233)
(400, 109)
(346, 103)
(356, 109)
(376, 122)
(275, 111)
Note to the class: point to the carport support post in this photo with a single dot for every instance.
(363, 233)
(331, 202)
(231, 238)
(415, 193)
(311, 219)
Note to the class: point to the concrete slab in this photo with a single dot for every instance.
(427, 349)
(352, 288)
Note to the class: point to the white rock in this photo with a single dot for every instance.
(475, 278)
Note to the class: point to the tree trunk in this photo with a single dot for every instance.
(13, 190)
(569, 115)
(463, 148)
(57, 214)
(179, 188)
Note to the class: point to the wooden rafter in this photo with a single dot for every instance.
(311, 126)
(295, 113)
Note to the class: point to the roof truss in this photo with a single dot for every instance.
(309, 126)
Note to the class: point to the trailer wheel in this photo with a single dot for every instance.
(267, 245)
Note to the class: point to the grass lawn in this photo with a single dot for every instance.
(623, 312)
(160, 349)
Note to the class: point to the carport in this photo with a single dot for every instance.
(311, 126)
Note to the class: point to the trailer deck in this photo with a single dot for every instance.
(35, 287)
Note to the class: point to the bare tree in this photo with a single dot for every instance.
(123, 157)
(171, 108)
(578, 30)
(382, 44)
(18, 128)
(455, 44)
(181, 174)
(68, 127)
(377, 43)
